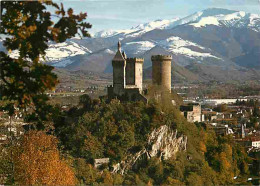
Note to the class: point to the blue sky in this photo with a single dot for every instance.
(123, 14)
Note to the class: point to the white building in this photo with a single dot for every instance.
(256, 143)
(220, 101)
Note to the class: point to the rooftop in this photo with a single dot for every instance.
(119, 56)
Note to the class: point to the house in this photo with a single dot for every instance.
(250, 141)
(192, 112)
(99, 162)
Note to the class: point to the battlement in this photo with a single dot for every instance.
(134, 60)
(161, 57)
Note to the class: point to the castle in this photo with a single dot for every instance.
(128, 76)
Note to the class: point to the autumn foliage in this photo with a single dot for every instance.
(28, 27)
(37, 161)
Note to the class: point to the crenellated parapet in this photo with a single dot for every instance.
(135, 60)
(161, 57)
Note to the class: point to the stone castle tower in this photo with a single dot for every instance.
(161, 71)
(134, 72)
(119, 64)
(128, 76)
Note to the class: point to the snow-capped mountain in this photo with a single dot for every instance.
(179, 46)
(134, 31)
(236, 19)
(225, 39)
(218, 42)
(213, 16)
(58, 54)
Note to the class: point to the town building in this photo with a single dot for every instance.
(192, 112)
(215, 102)
(250, 141)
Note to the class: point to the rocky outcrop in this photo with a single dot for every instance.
(162, 142)
(165, 143)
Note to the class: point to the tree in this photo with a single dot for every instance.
(221, 108)
(172, 181)
(5, 166)
(107, 178)
(256, 111)
(37, 161)
(28, 27)
(93, 147)
(86, 102)
(85, 173)
(194, 179)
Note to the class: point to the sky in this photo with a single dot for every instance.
(124, 14)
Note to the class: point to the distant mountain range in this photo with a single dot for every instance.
(214, 44)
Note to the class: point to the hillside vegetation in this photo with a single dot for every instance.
(115, 130)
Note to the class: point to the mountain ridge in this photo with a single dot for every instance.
(217, 38)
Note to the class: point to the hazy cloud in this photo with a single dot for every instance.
(121, 14)
(237, 2)
(113, 18)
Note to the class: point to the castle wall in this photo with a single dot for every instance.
(134, 72)
(127, 78)
(156, 72)
(130, 73)
(139, 75)
(110, 92)
(161, 71)
(134, 95)
(118, 77)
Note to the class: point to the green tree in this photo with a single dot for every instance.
(85, 173)
(93, 147)
(28, 27)
(86, 102)
(221, 108)
(194, 179)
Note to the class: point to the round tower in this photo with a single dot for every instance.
(161, 71)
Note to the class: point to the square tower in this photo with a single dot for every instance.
(119, 64)
(127, 78)
(134, 72)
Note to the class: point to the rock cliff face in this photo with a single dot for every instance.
(162, 142)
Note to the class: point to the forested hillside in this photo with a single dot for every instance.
(116, 130)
